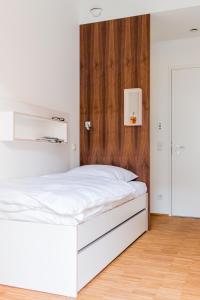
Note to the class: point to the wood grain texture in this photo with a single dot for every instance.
(115, 55)
(164, 264)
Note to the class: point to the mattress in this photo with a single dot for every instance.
(62, 199)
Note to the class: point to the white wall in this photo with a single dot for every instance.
(39, 64)
(113, 9)
(164, 56)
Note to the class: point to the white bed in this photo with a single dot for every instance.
(60, 231)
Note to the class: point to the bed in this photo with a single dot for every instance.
(59, 231)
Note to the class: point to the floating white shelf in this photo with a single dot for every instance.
(133, 107)
(17, 126)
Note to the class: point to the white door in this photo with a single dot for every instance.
(186, 142)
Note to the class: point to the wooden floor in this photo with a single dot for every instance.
(164, 264)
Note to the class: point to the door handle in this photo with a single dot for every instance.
(179, 148)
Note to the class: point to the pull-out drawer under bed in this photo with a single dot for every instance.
(62, 259)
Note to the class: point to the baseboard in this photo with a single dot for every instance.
(160, 215)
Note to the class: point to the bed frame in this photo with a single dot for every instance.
(63, 259)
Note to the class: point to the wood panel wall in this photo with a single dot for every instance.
(115, 55)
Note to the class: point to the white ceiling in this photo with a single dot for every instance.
(113, 9)
(175, 24)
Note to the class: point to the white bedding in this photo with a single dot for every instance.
(63, 198)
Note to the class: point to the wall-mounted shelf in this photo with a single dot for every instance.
(133, 107)
(18, 126)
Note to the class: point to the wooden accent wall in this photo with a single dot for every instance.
(115, 55)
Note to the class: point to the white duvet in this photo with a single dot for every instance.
(62, 194)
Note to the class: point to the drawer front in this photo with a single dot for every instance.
(95, 257)
(99, 225)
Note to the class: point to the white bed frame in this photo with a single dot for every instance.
(63, 259)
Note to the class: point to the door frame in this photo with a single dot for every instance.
(171, 69)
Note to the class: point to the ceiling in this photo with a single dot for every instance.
(114, 9)
(175, 24)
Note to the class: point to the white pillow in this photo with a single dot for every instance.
(104, 171)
